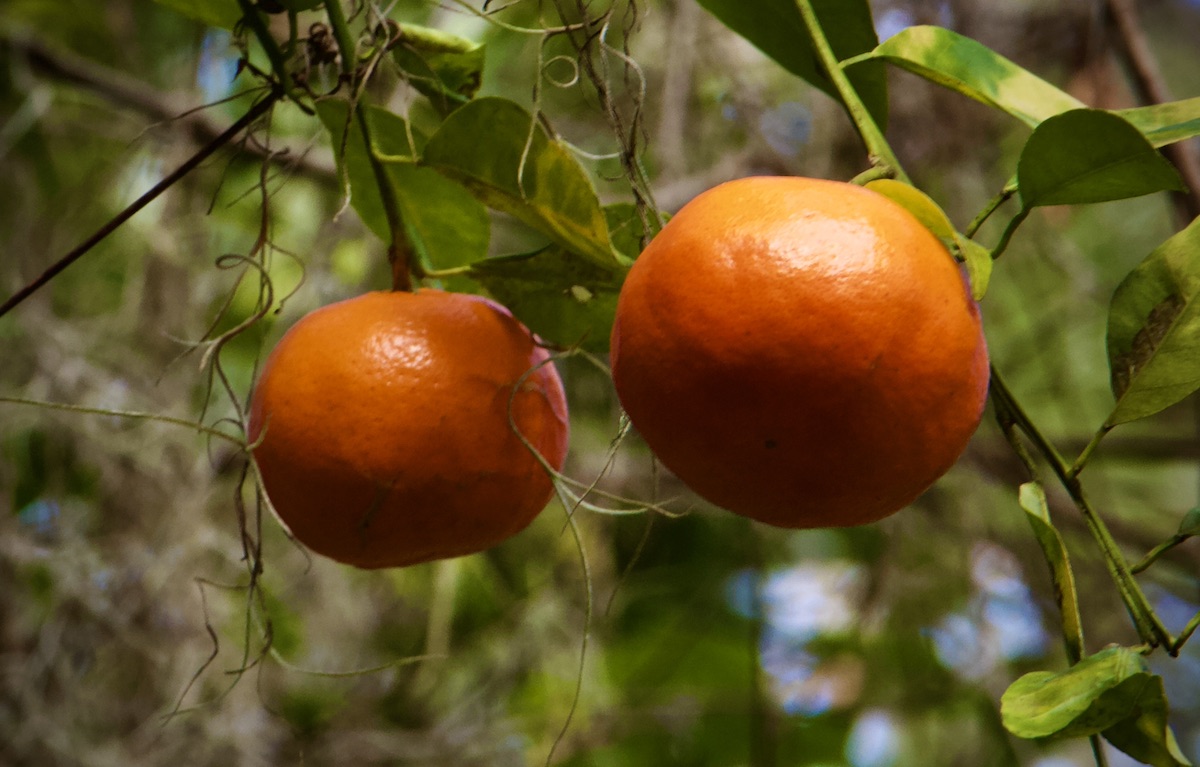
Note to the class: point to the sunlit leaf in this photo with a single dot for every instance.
(493, 147)
(976, 258)
(1033, 500)
(1089, 155)
(1164, 124)
(445, 68)
(216, 13)
(978, 261)
(916, 202)
(445, 224)
(776, 28)
(1097, 693)
(972, 69)
(1154, 329)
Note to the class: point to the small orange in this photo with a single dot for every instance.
(386, 437)
(801, 352)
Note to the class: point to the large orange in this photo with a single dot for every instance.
(385, 428)
(801, 352)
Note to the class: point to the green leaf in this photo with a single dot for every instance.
(974, 70)
(564, 298)
(1110, 693)
(1033, 500)
(976, 258)
(1144, 734)
(1154, 330)
(1089, 155)
(916, 202)
(627, 229)
(493, 147)
(216, 13)
(558, 295)
(445, 68)
(445, 224)
(1190, 524)
(1164, 124)
(978, 261)
(1093, 695)
(776, 28)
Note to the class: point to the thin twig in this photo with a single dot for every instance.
(255, 112)
(1152, 88)
(130, 93)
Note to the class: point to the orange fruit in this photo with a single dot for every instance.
(386, 437)
(801, 352)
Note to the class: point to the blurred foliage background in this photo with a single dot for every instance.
(128, 634)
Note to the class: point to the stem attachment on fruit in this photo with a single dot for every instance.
(877, 146)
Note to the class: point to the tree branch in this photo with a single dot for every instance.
(256, 111)
(130, 93)
(1151, 88)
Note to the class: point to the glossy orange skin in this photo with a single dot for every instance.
(801, 352)
(385, 431)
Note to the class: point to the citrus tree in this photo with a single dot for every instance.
(808, 354)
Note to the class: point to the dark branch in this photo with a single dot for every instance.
(130, 93)
(1151, 88)
(256, 111)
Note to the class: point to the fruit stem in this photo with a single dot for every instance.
(400, 251)
(880, 151)
(1149, 627)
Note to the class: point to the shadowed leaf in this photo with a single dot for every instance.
(445, 68)
(565, 299)
(445, 224)
(1087, 156)
(492, 146)
(776, 28)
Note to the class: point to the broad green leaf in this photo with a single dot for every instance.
(627, 230)
(1093, 695)
(558, 295)
(916, 202)
(776, 28)
(978, 261)
(1033, 500)
(972, 69)
(565, 299)
(1145, 735)
(1164, 124)
(216, 13)
(976, 258)
(445, 68)
(1089, 155)
(493, 147)
(1154, 330)
(445, 224)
